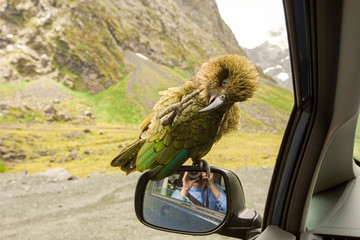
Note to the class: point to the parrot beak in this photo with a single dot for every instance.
(214, 103)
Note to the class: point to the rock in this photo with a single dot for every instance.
(6, 72)
(8, 156)
(59, 174)
(87, 130)
(44, 59)
(88, 114)
(4, 107)
(25, 65)
(13, 156)
(74, 178)
(93, 175)
(72, 156)
(87, 152)
(39, 138)
(10, 48)
(74, 135)
(69, 84)
(44, 153)
(49, 109)
(60, 116)
(3, 150)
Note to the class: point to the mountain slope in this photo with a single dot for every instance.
(117, 55)
(131, 99)
(82, 43)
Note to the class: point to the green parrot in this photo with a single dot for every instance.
(188, 120)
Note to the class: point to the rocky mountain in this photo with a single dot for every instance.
(82, 43)
(273, 57)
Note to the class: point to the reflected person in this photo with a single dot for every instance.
(198, 189)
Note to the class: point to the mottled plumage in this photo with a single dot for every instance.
(189, 119)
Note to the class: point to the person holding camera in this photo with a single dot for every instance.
(202, 190)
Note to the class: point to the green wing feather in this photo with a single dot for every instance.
(126, 159)
(191, 136)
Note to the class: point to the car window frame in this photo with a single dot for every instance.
(325, 47)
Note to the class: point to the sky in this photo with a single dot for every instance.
(251, 20)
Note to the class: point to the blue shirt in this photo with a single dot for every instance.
(200, 195)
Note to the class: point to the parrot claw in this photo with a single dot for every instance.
(176, 109)
(203, 163)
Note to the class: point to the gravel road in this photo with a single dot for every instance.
(98, 207)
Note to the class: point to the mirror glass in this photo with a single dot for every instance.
(187, 201)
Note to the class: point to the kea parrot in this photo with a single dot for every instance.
(188, 120)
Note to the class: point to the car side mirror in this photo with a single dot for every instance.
(214, 205)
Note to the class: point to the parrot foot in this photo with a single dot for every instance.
(176, 109)
(202, 163)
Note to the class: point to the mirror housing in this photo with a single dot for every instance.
(239, 221)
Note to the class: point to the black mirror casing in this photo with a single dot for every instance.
(239, 221)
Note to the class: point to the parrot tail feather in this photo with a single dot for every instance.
(126, 159)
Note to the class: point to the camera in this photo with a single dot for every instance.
(194, 174)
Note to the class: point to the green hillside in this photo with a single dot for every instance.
(45, 124)
(268, 110)
(129, 101)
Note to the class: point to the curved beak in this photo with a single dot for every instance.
(214, 103)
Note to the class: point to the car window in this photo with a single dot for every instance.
(77, 78)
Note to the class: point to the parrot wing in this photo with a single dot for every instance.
(191, 136)
(126, 159)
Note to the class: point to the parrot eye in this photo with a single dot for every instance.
(225, 82)
(223, 77)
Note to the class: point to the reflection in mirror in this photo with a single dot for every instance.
(187, 200)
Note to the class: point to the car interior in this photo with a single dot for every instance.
(315, 187)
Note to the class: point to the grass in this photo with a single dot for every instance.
(277, 97)
(67, 146)
(117, 116)
(50, 146)
(19, 115)
(184, 74)
(2, 166)
(113, 106)
(6, 88)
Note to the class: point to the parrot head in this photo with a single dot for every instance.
(225, 80)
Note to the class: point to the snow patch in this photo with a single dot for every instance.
(268, 69)
(283, 76)
(142, 56)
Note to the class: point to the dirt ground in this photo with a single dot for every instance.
(98, 207)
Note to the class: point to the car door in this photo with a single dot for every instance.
(314, 186)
